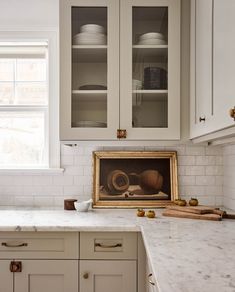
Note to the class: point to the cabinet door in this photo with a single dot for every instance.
(151, 283)
(224, 62)
(89, 69)
(150, 69)
(103, 276)
(47, 276)
(201, 85)
(6, 277)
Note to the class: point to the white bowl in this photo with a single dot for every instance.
(152, 35)
(83, 206)
(92, 28)
(85, 38)
(152, 42)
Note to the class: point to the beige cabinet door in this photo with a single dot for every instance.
(103, 276)
(150, 69)
(6, 277)
(151, 284)
(47, 276)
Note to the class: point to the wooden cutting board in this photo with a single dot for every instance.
(193, 209)
(175, 213)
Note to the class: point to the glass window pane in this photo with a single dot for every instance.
(22, 141)
(6, 70)
(31, 70)
(33, 93)
(6, 93)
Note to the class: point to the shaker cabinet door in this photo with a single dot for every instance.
(212, 85)
(47, 276)
(150, 69)
(89, 69)
(6, 277)
(106, 276)
(224, 62)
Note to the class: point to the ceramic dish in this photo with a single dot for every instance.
(152, 42)
(83, 206)
(92, 28)
(152, 35)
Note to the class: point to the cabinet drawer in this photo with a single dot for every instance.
(43, 245)
(108, 245)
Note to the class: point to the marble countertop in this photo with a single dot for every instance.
(186, 255)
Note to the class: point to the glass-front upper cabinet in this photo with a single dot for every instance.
(89, 55)
(120, 69)
(150, 69)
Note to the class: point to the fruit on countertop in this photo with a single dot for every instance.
(140, 213)
(176, 201)
(150, 214)
(193, 202)
(182, 202)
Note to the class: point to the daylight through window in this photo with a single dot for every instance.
(23, 105)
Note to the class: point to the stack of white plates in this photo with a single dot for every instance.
(152, 38)
(91, 34)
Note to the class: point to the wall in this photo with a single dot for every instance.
(229, 176)
(200, 167)
(200, 175)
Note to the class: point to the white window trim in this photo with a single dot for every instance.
(51, 37)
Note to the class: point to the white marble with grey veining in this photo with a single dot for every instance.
(186, 255)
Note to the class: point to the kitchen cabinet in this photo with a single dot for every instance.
(120, 69)
(151, 284)
(39, 262)
(108, 259)
(100, 275)
(212, 66)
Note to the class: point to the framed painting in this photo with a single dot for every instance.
(130, 179)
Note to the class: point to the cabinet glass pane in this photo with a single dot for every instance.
(150, 66)
(89, 67)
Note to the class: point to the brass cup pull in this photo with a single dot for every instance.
(85, 275)
(108, 245)
(232, 113)
(150, 280)
(14, 244)
(16, 266)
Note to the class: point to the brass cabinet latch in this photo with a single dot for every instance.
(232, 113)
(121, 133)
(16, 266)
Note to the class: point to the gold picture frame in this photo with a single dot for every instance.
(134, 179)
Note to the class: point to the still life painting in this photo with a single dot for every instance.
(133, 179)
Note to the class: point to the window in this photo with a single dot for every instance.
(28, 104)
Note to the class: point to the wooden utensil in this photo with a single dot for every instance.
(194, 209)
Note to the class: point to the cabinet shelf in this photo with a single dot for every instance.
(89, 53)
(151, 91)
(90, 95)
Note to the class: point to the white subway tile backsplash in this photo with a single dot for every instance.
(186, 160)
(194, 170)
(196, 150)
(205, 180)
(200, 174)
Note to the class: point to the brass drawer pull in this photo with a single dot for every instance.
(14, 244)
(108, 246)
(149, 280)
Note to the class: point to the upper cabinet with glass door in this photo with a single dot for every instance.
(89, 49)
(136, 40)
(150, 69)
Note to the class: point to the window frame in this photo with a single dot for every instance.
(52, 131)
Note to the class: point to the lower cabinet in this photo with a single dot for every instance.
(151, 283)
(102, 276)
(47, 276)
(6, 278)
(72, 262)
